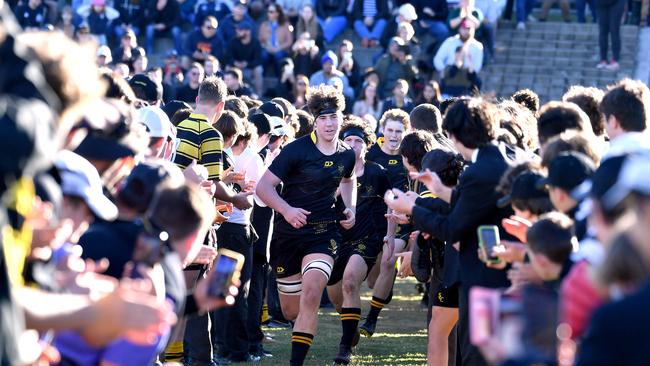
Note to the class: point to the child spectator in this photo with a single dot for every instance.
(99, 17)
(550, 243)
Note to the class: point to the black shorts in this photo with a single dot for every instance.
(287, 251)
(447, 297)
(367, 248)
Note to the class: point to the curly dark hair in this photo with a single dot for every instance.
(567, 142)
(324, 97)
(426, 117)
(527, 98)
(306, 123)
(508, 178)
(520, 123)
(351, 121)
(447, 164)
(629, 102)
(415, 145)
(473, 122)
(236, 105)
(588, 99)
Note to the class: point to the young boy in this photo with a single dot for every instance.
(550, 243)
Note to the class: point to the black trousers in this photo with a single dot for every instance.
(230, 331)
(470, 355)
(255, 301)
(609, 26)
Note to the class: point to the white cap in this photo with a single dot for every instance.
(156, 120)
(407, 11)
(105, 51)
(633, 177)
(277, 126)
(80, 178)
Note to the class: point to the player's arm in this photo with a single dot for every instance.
(296, 217)
(348, 189)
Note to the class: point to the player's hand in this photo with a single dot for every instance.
(348, 223)
(510, 251)
(397, 218)
(405, 269)
(517, 227)
(240, 200)
(400, 201)
(296, 217)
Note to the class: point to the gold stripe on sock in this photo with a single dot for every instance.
(301, 341)
(376, 304)
(346, 317)
(302, 337)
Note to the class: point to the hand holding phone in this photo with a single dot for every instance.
(226, 271)
(488, 239)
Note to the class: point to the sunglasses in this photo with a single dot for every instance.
(209, 27)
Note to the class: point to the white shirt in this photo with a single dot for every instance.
(250, 163)
(446, 55)
(628, 142)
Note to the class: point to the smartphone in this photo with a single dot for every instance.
(483, 314)
(149, 248)
(488, 238)
(227, 268)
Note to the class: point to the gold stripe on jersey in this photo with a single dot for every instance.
(200, 141)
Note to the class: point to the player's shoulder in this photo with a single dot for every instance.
(374, 168)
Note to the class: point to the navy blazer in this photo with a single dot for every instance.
(474, 204)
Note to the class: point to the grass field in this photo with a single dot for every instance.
(400, 338)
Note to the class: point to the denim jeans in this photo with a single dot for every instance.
(524, 8)
(438, 30)
(581, 10)
(332, 27)
(373, 33)
(151, 34)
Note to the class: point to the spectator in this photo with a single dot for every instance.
(427, 117)
(301, 88)
(433, 19)
(212, 67)
(104, 57)
(172, 75)
(348, 65)
(131, 19)
(463, 44)
(461, 78)
(205, 41)
(557, 117)
(65, 24)
(406, 32)
(369, 102)
(430, 94)
(400, 99)
(331, 15)
(524, 10)
(32, 15)
(405, 13)
(244, 52)
(140, 61)
(306, 58)
(626, 107)
(370, 20)
(588, 99)
(275, 37)
(581, 7)
(82, 33)
(193, 78)
(528, 99)
(124, 52)
(229, 23)
(211, 8)
(308, 23)
(287, 82)
(609, 27)
(491, 10)
(564, 5)
(329, 72)
(393, 65)
(163, 18)
(466, 11)
(234, 80)
(99, 17)
(292, 8)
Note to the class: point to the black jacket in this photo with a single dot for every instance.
(618, 333)
(439, 7)
(382, 10)
(170, 15)
(330, 8)
(474, 204)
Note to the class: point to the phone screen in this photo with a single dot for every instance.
(222, 277)
(490, 239)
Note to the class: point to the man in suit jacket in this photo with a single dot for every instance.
(472, 127)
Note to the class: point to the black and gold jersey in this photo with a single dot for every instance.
(369, 220)
(311, 179)
(198, 140)
(397, 174)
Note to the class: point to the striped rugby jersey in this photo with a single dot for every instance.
(196, 139)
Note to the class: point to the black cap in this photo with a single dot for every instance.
(262, 122)
(273, 109)
(139, 187)
(606, 176)
(524, 187)
(151, 91)
(568, 171)
(174, 106)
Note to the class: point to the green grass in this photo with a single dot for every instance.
(400, 338)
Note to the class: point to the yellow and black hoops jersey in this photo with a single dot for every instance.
(371, 208)
(397, 174)
(198, 140)
(310, 178)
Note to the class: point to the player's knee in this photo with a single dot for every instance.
(290, 311)
(350, 287)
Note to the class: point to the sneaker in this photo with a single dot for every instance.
(521, 26)
(262, 353)
(602, 65)
(343, 357)
(613, 66)
(367, 329)
(531, 18)
(277, 324)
